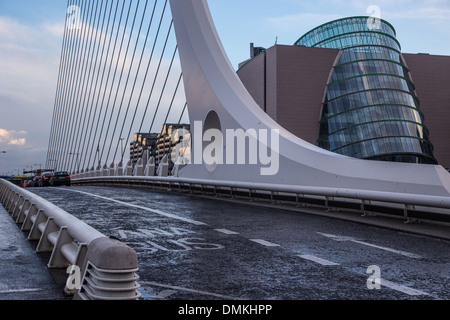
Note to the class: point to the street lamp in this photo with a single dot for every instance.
(2, 151)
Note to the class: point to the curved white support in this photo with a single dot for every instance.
(178, 166)
(150, 168)
(163, 167)
(128, 170)
(211, 84)
(111, 169)
(118, 170)
(98, 171)
(139, 168)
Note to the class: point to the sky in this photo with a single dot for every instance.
(31, 34)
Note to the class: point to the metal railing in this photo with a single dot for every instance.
(73, 243)
(410, 207)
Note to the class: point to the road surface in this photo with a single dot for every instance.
(196, 248)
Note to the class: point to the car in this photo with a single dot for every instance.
(45, 180)
(27, 183)
(60, 178)
(36, 180)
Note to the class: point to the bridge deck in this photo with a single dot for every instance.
(193, 248)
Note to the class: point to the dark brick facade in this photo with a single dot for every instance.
(289, 83)
(431, 75)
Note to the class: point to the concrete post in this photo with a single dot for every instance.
(139, 168)
(109, 272)
(163, 168)
(128, 170)
(150, 167)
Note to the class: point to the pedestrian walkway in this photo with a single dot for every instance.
(23, 276)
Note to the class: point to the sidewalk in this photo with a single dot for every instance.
(23, 276)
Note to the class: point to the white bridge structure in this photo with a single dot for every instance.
(218, 101)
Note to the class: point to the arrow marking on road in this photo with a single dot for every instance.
(349, 239)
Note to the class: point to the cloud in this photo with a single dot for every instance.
(55, 29)
(11, 137)
(11, 30)
(29, 61)
(29, 58)
(18, 142)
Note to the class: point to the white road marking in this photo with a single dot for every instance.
(318, 260)
(162, 213)
(401, 288)
(265, 243)
(164, 294)
(122, 234)
(23, 290)
(205, 293)
(344, 239)
(225, 231)
(402, 253)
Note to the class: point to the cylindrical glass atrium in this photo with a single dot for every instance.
(371, 110)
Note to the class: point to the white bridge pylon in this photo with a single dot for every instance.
(218, 100)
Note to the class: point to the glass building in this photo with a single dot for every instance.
(371, 110)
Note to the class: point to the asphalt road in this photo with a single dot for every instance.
(195, 248)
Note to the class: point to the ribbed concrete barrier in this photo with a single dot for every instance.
(106, 268)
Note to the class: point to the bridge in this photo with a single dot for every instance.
(223, 202)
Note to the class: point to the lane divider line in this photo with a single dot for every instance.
(225, 231)
(401, 288)
(318, 260)
(354, 240)
(159, 212)
(265, 243)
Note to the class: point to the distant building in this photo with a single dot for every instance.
(170, 136)
(349, 89)
(254, 52)
(142, 142)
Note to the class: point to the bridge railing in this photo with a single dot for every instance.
(410, 207)
(106, 267)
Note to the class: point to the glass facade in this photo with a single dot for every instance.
(371, 110)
